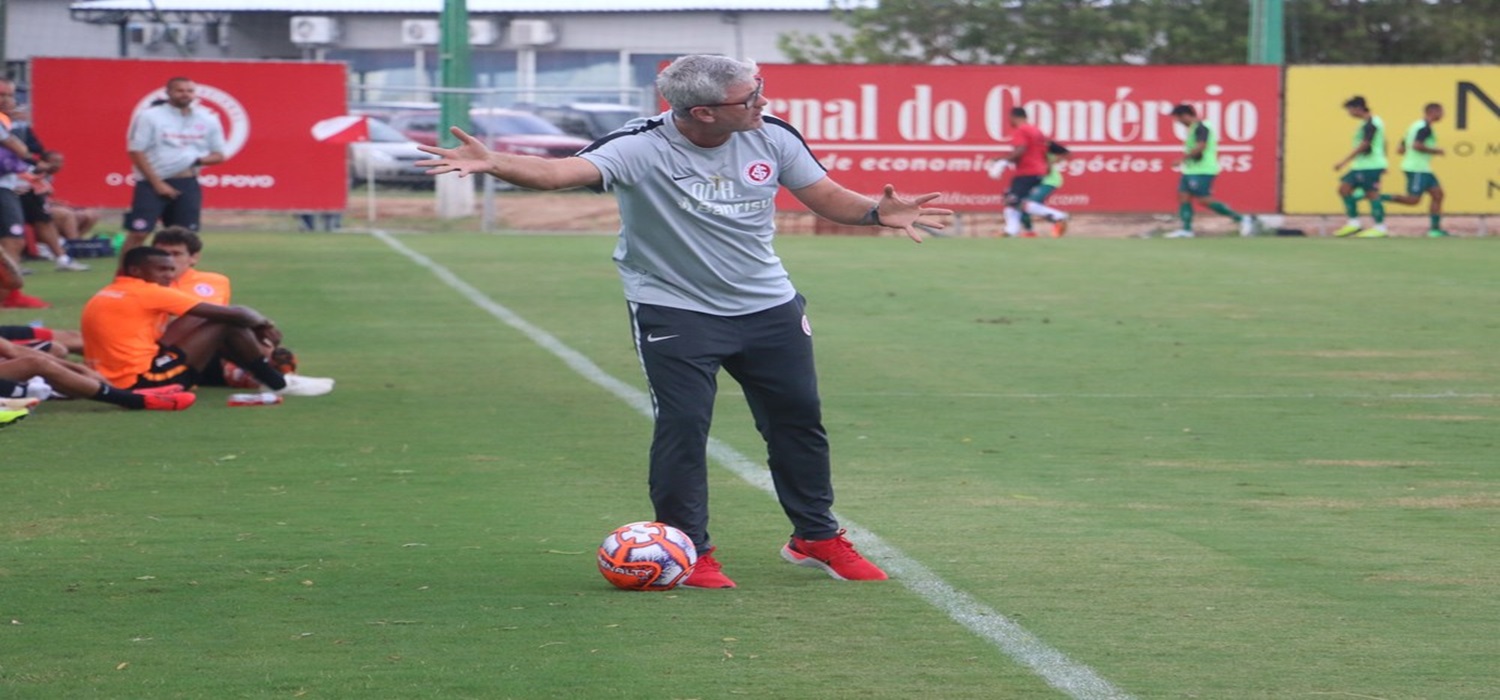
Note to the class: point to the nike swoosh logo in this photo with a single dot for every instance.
(658, 338)
(675, 178)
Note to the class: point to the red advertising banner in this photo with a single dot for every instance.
(83, 107)
(934, 128)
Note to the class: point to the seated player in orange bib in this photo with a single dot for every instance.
(186, 248)
(131, 338)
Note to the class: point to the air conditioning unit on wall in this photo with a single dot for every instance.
(420, 32)
(428, 32)
(308, 29)
(532, 32)
(483, 32)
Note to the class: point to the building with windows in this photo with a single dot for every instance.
(554, 50)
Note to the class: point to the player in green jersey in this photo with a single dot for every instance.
(1417, 150)
(1056, 154)
(1366, 166)
(1200, 165)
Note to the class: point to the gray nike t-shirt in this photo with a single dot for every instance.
(697, 223)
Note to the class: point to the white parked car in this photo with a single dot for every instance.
(390, 155)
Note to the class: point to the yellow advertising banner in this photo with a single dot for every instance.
(1319, 133)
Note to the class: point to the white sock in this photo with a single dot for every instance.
(1012, 221)
(1039, 209)
(1354, 222)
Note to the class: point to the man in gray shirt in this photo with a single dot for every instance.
(696, 187)
(167, 144)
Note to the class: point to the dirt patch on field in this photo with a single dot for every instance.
(1365, 463)
(1373, 354)
(1482, 501)
(579, 212)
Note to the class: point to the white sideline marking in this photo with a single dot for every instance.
(1075, 679)
(1434, 396)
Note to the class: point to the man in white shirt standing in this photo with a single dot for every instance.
(168, 143)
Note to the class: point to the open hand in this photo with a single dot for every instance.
(468, 157)
(909, 214)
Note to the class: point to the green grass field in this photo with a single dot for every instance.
(1203, 469)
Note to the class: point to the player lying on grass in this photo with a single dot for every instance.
(18, 365)
(125, 340)
(696, 187)
(59, 343)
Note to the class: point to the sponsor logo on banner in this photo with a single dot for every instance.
(272, 160)
(1320, 132)
(937, 128)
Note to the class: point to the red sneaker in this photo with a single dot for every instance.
(238, 378)
(17, 300)
(161, 390)
(1059, 228)
(707, 573)
(836, 555)
(158, 400)
(284, 360)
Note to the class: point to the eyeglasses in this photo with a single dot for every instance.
(749, 103)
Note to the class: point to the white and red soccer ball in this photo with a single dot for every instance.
(647, 556)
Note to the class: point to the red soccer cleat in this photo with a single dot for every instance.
(284, 360)
(707, 573)
(17, 300)
(164, 399)
(835, 555)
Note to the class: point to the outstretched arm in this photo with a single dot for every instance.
(531, 172)
(837, 203)
(242, 316)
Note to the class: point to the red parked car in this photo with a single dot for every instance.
(505, 130)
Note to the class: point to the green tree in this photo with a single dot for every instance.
(1094, 32)
(1392, 31)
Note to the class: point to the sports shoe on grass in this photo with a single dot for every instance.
(1059, 228)
(298, 385)
(10, 416)
(67, 264)
(835, 555)
(1438, 233)
(1372, 233)
(707, 573)
(1348, 230)
(1179, 233)
(167, 398)
(1248, 225)
(17, 404)
(284, 360)
(17, 300)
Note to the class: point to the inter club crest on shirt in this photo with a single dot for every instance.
(758, 172)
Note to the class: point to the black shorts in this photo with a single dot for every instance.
(146, 206)
(34, 208)
(170, 367)
(28, 336)
(1020, 186)
(12, 390)
(12, 220)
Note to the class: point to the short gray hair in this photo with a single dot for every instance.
(701, 79)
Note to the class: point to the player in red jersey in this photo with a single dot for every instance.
(1029, 156)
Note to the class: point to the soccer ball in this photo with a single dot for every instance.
(647, 556)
